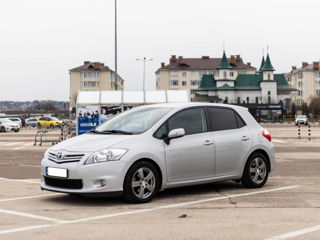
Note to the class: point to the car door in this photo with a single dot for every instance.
(191, 156)
(232, 139)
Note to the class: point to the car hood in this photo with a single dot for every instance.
(11, 125)
(90, 142)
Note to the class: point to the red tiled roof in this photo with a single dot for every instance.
(91, 66)
(203, 64)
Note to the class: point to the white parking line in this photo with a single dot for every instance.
(29, 197)
(23, 146)
(146, 210)
(11, 212)
(20, 180)
(278, 141)
(296, 233)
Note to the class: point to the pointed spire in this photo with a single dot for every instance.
(262, 64)
(224, 64)
(267, 66)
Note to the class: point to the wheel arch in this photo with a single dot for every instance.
(154, 163)
(263, 152)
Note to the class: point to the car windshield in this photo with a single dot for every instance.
(302, 116)
(55, 119)
(5, 120)
(134, 121)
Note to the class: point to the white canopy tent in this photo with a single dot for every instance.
(132, 97)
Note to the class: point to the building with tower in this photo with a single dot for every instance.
(265, 93)
(186, 73)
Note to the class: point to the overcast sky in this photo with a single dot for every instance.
(41, 40)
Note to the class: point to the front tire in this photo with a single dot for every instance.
(142, 183)
(2, 129)
(256, 171)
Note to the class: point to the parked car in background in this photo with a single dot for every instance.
(33, 122)
(51, 122)
(7, 125)
(301, 119)
(16, 120)
(151, 148)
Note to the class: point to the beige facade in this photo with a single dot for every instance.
(186, 73)
(306, 80)
(92, 76)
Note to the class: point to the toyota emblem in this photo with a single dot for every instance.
(59, 155)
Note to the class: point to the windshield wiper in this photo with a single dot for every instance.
(114, 131)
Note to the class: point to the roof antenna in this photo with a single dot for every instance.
(262, 52)
(267, 49)
(224, 46)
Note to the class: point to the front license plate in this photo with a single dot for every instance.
(56, 172)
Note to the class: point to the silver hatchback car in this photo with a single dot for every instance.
(155, 147)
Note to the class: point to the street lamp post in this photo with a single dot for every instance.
(144, 76)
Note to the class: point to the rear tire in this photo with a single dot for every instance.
(142, 183)
(256, 171)
(2, 129)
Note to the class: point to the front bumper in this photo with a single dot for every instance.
(95, 178)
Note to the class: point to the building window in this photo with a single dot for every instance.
(231, 74)
(300, 101)
(241, 72)
(238, 100)
(317, 74)
(194, 74)
(226, 100)
(201, 73)
(90, 74)
(224, 75)
(184, 74)
(173, 74)
(289, 79)
(195, 83)
(269, 93)
(300, 75)
(174, 83)
(257, 100)
(269, 76)
(158, 75)
(214, 73)
(248, 100)
(90, 84)
(184, 83)
(300, 93)
(318, 92)
(300, 84)
(193, 91)
(318, 83)
(157, 83)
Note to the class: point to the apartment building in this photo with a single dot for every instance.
(186, 73)
(306, 80)
(91, 76)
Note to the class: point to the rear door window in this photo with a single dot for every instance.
(191, 120)
(223, 119)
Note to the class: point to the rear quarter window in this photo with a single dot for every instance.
(224, 119)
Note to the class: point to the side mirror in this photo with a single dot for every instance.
(174, 133)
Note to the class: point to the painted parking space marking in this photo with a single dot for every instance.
(278, 141)
(30, 197)
(24, 146)
(21, 214)
(296, 233)
(21, 180)
(62, 222)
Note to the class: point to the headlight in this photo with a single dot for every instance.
(106, 155)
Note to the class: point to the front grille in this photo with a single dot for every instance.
(64, 158)
(63, 183)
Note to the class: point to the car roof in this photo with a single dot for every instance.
(191, 104)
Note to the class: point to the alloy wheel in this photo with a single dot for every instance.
(258, 170)
(143, 183)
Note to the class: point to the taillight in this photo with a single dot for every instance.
(266, 134)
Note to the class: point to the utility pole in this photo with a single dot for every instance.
(144, 76)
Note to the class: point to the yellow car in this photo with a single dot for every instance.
(51, 122)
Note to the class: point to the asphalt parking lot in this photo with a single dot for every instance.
(288, 207)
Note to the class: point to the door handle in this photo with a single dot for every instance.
(244, 138)
(208, 143)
